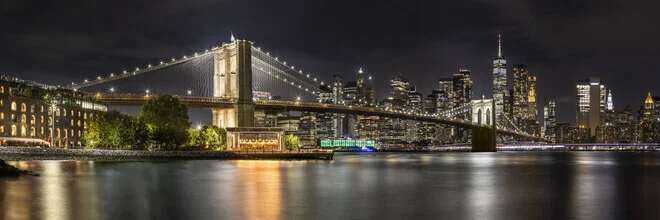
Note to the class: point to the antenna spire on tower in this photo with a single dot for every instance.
(499, 45)
(232, 38)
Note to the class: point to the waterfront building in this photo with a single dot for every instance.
(462, 89)
(414, 129)
(351, 97)
(570, 134)
(338, 99)
(289, 123)
(368, 126)
(38, 115)
(618, 127)
(324, 120)
(524, 111)
(650, 126)
(307, 129)
(591, 104)
(549, 119)
(393, 130)
(499, 78)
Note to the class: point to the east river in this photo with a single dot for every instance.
(503, 185)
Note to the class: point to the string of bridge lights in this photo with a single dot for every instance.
(149, 67)
(300, 84)
(292, 67)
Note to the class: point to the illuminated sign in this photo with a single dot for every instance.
(347, 143)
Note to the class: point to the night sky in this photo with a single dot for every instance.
(562, 41)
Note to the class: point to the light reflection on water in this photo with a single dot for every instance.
(507, 185)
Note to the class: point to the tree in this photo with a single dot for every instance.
(113, 130)
(208, 137)
(292, 142)
(167, 120)
(104, 130)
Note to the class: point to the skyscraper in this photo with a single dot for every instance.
(462, 91)
(338, 98)
(393, 130)
(591, 101)
(549, 118)
(324, 120)
(499, 78)
(413, 127)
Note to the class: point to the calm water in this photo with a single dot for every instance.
(505, 185)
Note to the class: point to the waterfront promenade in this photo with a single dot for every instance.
(29, 153)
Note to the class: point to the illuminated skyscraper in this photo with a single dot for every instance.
(549, 119)
(499, 78)
(462, 84)
(590, 103)
(524, 100)
(610, 103)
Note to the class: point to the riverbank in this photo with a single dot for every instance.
(29, 153)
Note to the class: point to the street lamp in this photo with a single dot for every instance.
(112, 90)
(189, 92)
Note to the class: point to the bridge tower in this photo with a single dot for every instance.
(232, 79)
(484, 139)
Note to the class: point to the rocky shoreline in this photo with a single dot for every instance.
(29, 153)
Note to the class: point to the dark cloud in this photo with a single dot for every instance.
(562, 41)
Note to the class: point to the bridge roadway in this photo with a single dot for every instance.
(217, 102)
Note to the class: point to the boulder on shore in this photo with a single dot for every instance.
(7, 170)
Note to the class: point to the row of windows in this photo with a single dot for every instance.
(2, 89)
(41, 119)
(59, 132)
(58, 111)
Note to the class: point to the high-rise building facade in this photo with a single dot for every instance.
(338, 99)
(324, 120)
(393, 130)
(591, 103)
(549, 119)
(499, 78)
(462, 88)
(524, 110)
(414, 128)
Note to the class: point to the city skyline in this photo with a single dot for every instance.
(68, 48)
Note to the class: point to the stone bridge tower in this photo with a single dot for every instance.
(232, 79)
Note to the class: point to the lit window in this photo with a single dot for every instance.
(66, 133)
(41, 119)
(78, 123)
(2, 129)
(2, 89)
(58, 132)
(78, 113)
(71, 122)
(2, 115)
(33, 132)
(85, 115)
(72, 113)
(50, 121)
(31, 108)
(23, 131)
(64, 112)
(23, 119)
(78, 133)
(32, 119)
(42, 130)
(13, 106)
(57, 111)
(23, 107)
(2, 102)
(42, 108)
(13, 130)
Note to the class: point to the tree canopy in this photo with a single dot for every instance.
(168, 121)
